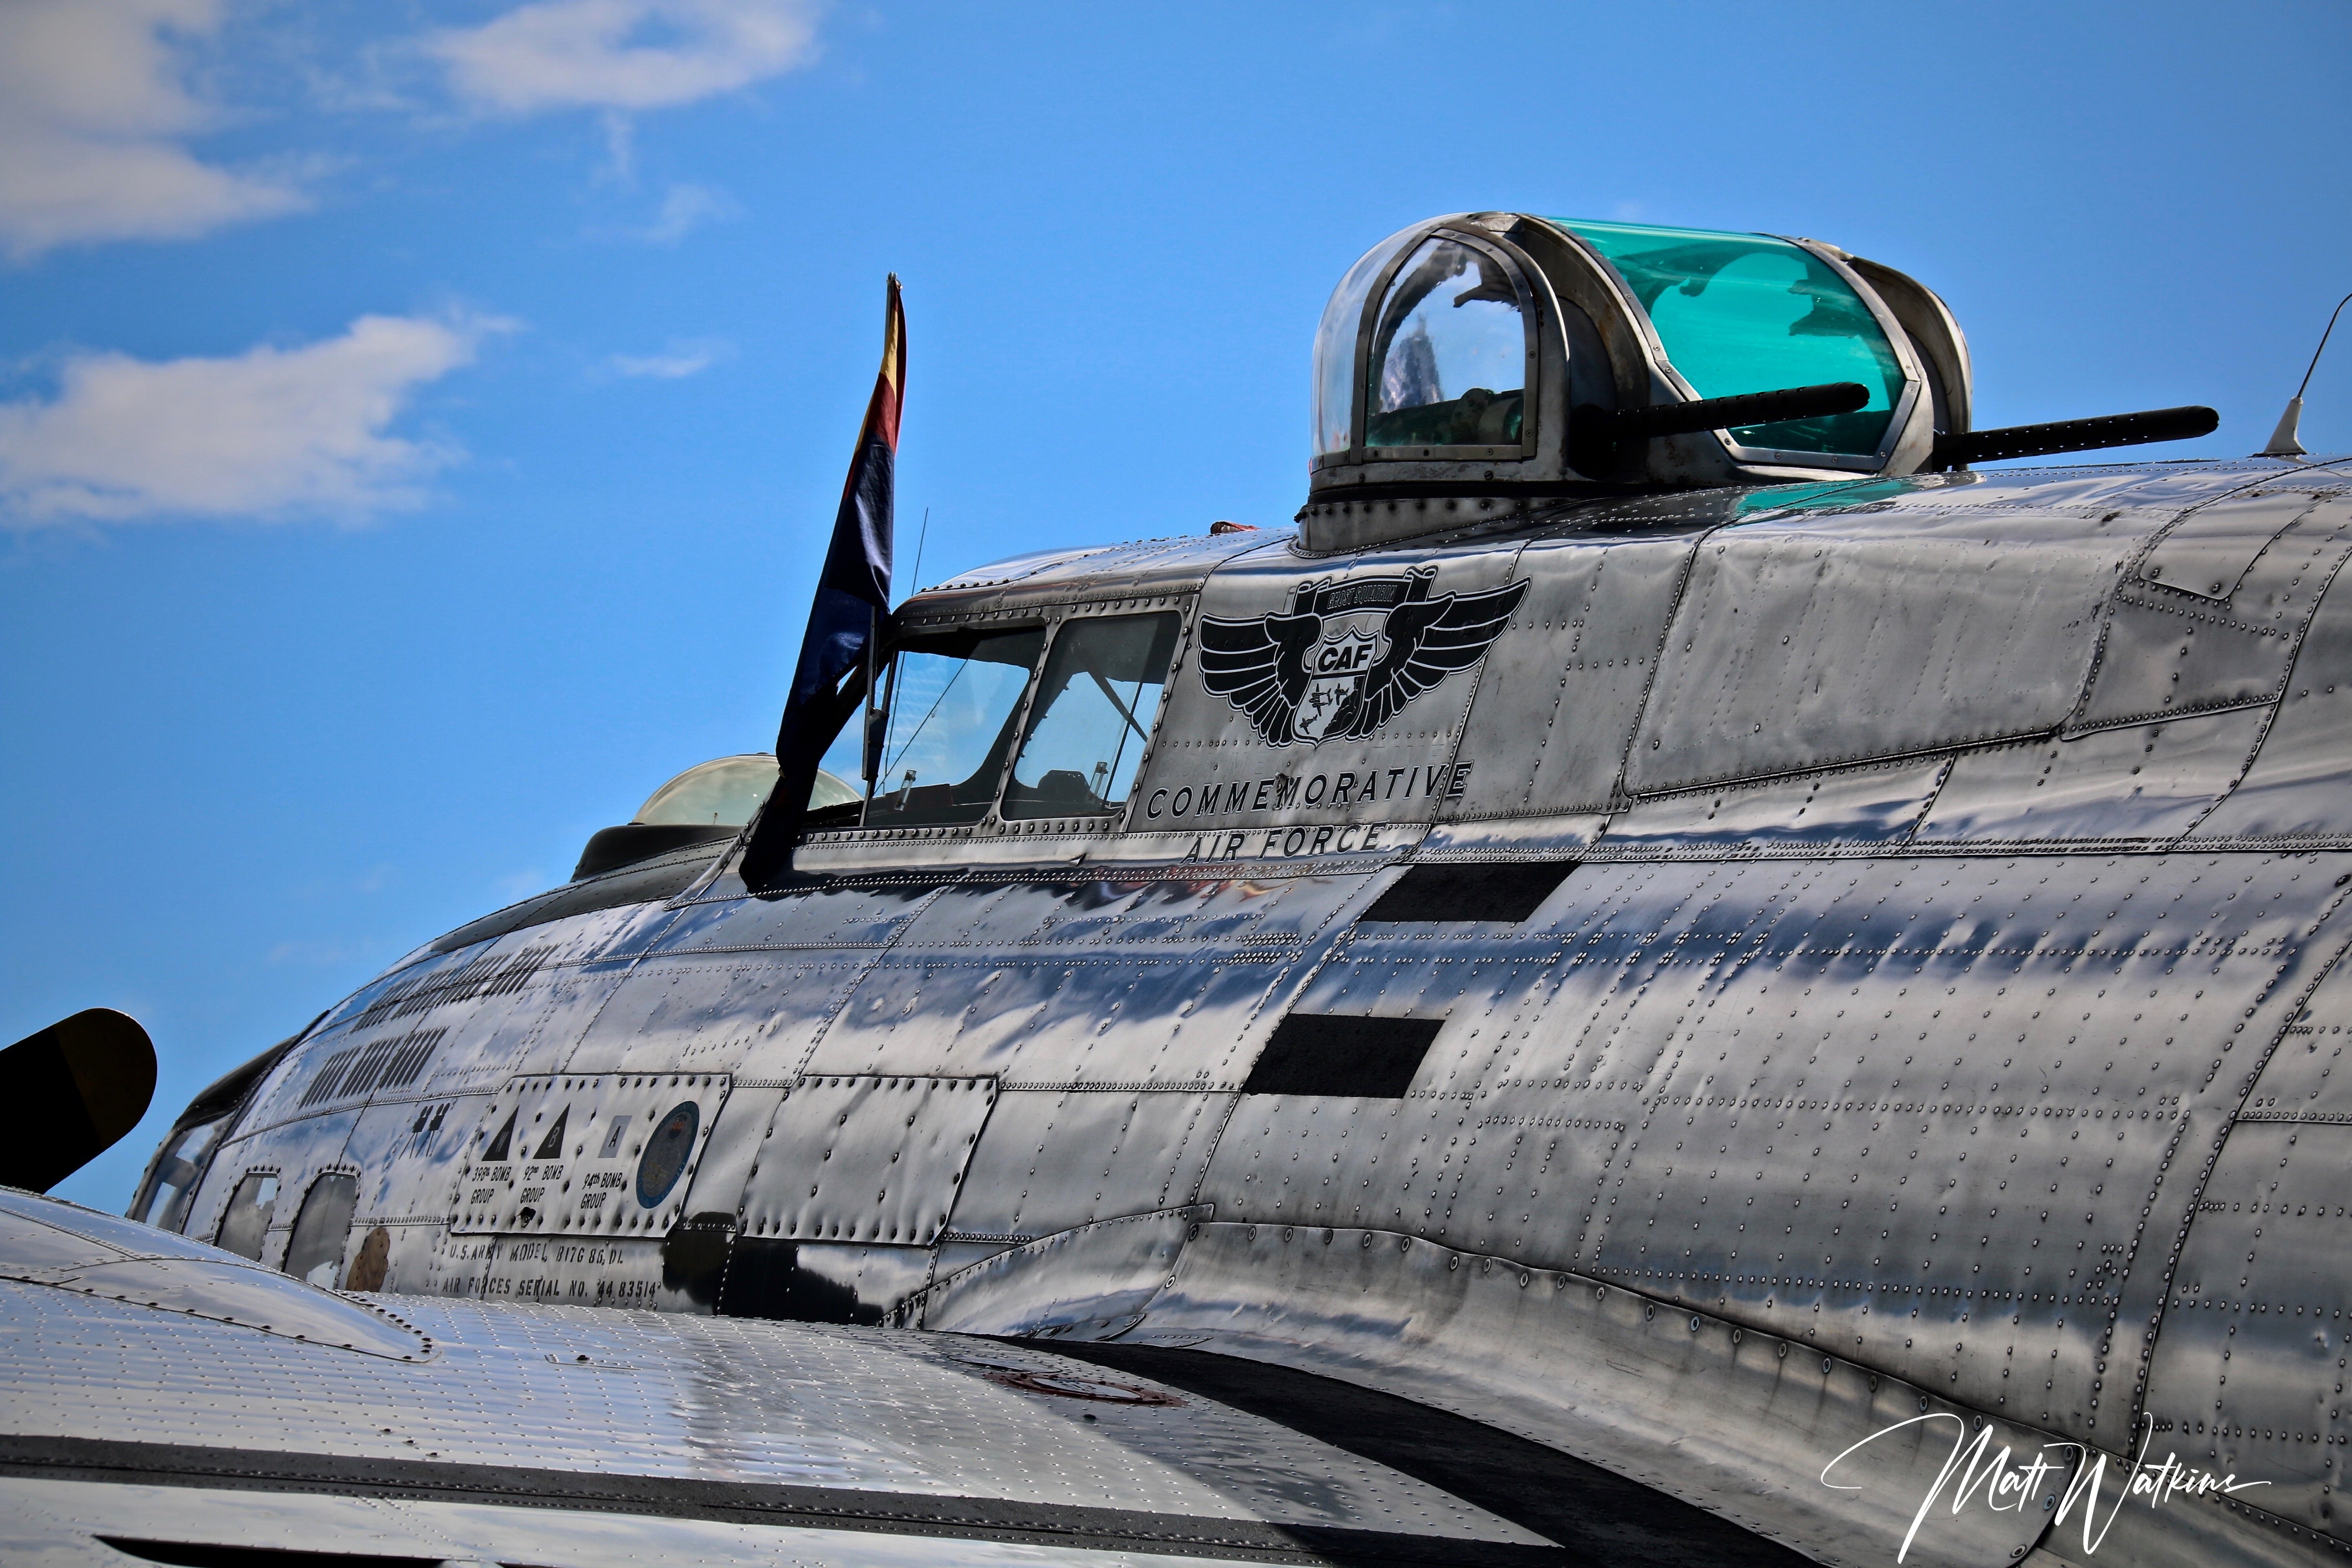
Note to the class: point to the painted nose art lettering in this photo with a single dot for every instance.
(1320, 671)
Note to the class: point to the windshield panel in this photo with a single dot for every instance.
(1746, 312)
(1093, 716)
(952, 705)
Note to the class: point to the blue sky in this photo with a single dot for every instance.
(418, 423)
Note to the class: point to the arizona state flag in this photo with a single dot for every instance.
(852, 600)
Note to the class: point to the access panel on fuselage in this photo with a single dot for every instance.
(874, 1158)
(2296, 787)
(2249, 1362)
(1114, 1019)
(1942, 610)
(1561, 691)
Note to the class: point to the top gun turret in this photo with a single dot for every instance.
(1483, 363)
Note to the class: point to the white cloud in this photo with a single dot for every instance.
(623, 54)
(269, 433)
(620, 147)
(91, 114)
(686, 208)
(679, 358)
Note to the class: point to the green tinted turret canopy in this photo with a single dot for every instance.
(1746, 312)
(1491, 358)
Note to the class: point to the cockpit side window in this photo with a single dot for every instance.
(1092, 717)
(171, 1183)
(954, 706)
(245, 1222)
(1449, 360)
(315, 1251)
(169, 1189)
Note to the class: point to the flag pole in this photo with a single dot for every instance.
(869, 750)
(846, 621)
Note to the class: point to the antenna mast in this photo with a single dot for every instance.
(2283, 440)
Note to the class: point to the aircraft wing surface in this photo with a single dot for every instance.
(170, 1403)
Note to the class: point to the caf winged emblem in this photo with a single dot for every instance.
(1320, 672)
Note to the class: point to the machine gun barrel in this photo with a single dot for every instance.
(1958, 450)
(1723, 413)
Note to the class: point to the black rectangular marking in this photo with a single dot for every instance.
(1342, 1054)
(194, 1554)
(1505, 892)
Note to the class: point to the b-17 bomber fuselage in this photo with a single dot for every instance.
(1698, 968)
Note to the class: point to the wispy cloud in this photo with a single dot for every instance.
(679, 358)
(517, 885)
(270, 432)
(686, 208)
(623, 55)
(92, 114)
(620, 148)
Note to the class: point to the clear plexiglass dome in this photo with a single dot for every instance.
(726, 792)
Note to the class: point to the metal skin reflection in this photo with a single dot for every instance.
(1937, 1015)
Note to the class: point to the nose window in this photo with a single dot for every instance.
(1450, 353)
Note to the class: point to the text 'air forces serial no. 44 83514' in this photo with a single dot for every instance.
(1672, 977)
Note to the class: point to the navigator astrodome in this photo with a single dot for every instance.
(1672, 975)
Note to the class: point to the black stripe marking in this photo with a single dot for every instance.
(197, 1554)
(1507, 892)
(1604, 1517)
(744, 1502)
(1342, 1054)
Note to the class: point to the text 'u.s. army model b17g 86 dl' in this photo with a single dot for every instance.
(1673, 977)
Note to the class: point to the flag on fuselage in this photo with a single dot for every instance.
(853, 601)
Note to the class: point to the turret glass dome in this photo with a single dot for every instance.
(1746, 312)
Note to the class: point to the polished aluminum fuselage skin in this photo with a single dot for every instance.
(1942, 1015)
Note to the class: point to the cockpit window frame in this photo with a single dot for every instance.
(1521, 272)
(1007, 745)
(1031, 715)
(993, 826)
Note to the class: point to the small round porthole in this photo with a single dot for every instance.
(666, 1152)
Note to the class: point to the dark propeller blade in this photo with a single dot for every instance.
(2072, 436)
(75, 1087)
